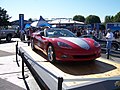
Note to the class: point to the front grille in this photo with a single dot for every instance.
(83, 56)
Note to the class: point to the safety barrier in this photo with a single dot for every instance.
(38, 79)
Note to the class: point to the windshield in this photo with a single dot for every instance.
(59, 33)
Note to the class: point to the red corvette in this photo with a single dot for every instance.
(63, 45)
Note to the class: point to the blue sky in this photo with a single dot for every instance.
(60, 8)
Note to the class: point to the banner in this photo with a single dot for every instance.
(113, 26)
(21, 21)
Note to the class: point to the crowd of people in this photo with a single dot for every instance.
(100, 34)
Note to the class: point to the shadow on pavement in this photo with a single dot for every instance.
(4, 53)
(26, 84)
(4, 42)
(6, 85)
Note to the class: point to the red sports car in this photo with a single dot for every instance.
(63, 45)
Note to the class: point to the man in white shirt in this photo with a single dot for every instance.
(109, 38)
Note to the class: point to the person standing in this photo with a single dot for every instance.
(109, 38)
(78, 33)
(22, 35)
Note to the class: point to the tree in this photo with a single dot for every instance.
(79, 18)
(4, 17)
(117, 17)
(30, 19)
(91, 19)
(109, 19)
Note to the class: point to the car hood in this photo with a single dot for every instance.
(78, 41)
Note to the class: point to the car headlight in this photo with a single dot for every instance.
(96, 44)
(64, 45)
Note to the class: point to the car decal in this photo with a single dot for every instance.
(78, 41)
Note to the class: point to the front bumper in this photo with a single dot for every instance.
(71, 55)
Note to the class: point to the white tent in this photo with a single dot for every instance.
(64, 21)
(34, 24)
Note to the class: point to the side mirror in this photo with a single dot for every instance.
(42, 34)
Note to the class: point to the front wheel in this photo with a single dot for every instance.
(51, 54)
(8, 38)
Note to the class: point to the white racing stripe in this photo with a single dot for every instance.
(78, 41)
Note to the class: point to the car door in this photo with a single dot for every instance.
(40, 40)
(2, 34)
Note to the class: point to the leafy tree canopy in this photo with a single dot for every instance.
(91, 19)
(4, 17)
(109, 19)
(117, 17)
(79, 18)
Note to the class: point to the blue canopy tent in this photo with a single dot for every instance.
(44, 25)
(42, 22)
(27, 26)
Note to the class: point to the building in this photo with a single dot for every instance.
(66, 23)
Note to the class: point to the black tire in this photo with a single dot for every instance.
(32, 45)
(8, 38)
(114, 47)
(51, 54)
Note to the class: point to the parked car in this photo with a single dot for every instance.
(115, 44)
(7, 33)
(63, 45)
